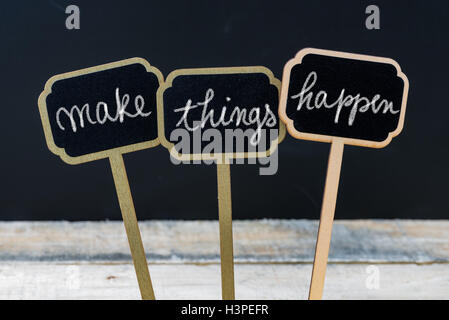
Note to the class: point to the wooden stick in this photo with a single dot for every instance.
(131, 226)
(326, 220)
(225, 221)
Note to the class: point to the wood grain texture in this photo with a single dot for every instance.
(255, 241)
(83, 280)
(326, 220)
(91, 260)
(225, 221)
(131, 226)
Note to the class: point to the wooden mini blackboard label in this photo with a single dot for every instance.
(91, 113)
(341, 98)
(239, 98)
(328, 94)
(204, 107)
(103, 112)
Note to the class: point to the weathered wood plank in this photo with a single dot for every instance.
(275, 241)
(58, 280)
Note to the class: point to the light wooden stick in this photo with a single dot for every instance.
(326, 220)
(131, 226)
(225, 221)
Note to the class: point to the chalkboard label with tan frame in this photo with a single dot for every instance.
(236, 98)
(341, 98)
(358, 98)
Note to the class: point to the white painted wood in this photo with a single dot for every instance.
(290, 241)
(50, 280)
(91, 260)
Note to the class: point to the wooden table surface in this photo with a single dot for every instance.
(369, 259)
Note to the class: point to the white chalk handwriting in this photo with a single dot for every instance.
(102, 112)
(238, 116)
(358, 102)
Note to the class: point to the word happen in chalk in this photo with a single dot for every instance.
(359, 103)
(102, 113)
(237, 116)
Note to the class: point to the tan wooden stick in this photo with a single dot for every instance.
(225, 221)
(326, 220)
(131, 226)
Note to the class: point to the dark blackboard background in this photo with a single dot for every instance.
(407, 179)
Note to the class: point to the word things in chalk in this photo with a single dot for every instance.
(220, 105)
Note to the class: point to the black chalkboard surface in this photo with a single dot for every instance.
(88, 113)
(359, 98)
(236, 102)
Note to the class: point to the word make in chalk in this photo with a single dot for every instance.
(96, 111)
